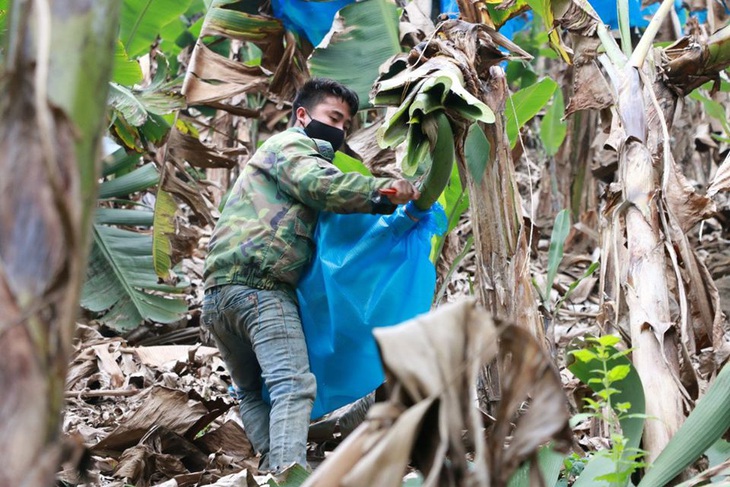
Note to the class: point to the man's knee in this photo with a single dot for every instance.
(297, 387)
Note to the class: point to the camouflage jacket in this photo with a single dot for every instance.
(264, 236)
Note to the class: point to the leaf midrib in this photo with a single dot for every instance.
(137, 23)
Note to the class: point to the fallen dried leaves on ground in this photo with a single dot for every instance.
(151, 414)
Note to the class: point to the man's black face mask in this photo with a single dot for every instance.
(320, 130)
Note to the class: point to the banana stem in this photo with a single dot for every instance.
(646, 41)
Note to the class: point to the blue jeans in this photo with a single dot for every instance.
(259, 335)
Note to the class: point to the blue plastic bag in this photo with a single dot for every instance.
(368, 271)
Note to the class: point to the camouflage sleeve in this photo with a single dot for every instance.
(306, 176)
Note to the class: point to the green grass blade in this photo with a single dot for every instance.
(561, 229)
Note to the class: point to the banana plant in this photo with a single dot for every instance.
(127, 262)
(141, 115)
(648, 218)
(455, 73)
(122, 285)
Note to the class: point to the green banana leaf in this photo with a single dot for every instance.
(161, 97)
(477, 150)
(3, 24)
(121, 283)
(561, 229)
(294, 476)
(702, 428)
(141, 178)
(504, 13)
(719, 452)
(164, 227)
(369, 37)
(139, 115)
(126, 71)
(142, 21)
(548, 461)
(119, 161)
(124, 217)
(345, 163)
(544, 9)
(523, 105)
(183, 31)
(123, 100)
(235, 24)
(553, 129)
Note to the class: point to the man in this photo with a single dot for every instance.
(258, 250)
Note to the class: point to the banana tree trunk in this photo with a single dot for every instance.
(54, 83)
(573, 161)
(500, 238)
(647, 297)
(500, 235)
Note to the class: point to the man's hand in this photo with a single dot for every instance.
(401, 191)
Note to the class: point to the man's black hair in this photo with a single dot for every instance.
(315, 90)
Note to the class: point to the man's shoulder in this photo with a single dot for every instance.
(293, 136)
(294, 142)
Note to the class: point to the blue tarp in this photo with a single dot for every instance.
(607, 12)
(368, 271)
(640, 17)
(312, 19)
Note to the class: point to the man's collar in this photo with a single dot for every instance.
(323, 147)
